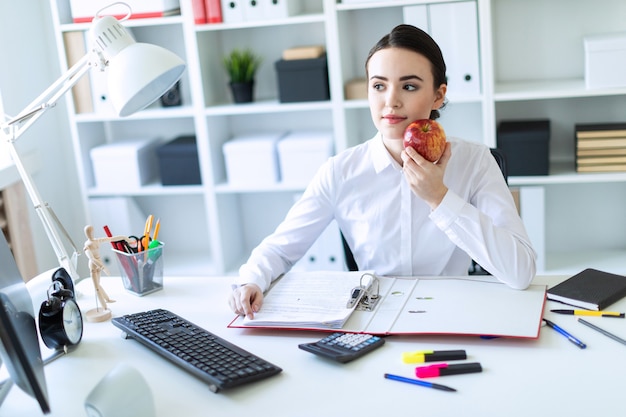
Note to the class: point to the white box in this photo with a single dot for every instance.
(301, 153)
(252, 160)
(85, 10)
(128, 164)
(605, 60)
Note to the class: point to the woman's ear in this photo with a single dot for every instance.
(440, 96)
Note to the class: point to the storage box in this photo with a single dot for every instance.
(178, 161)
(252, 160)
(301, 153)
(526, 146)
(605, 60)
(356, 89)
(302, 80)
(84, 10)
(125, 165)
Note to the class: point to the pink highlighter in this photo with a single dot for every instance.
(443, 369)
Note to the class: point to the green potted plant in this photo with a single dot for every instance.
(241, 66)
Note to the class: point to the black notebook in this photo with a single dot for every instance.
(590, 289)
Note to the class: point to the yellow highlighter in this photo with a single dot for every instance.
(421, 356)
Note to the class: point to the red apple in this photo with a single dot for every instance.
(427, 137)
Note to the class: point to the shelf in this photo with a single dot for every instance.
(265, 106)
(233, 189)
(549, 89)
(563, 173)
(156, 113)
(157, 21)
(293, 20)
(149, 190)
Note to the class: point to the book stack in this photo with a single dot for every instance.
(601, 147)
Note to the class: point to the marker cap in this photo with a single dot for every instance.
(443, 369)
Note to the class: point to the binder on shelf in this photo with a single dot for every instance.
(591, 289)
(417, 16)
(280, 9)
(455, 28)
(100, 93)
(253, 10)
(463, 306)
(213, 11)
(232, 11)
(199, 11)
(75, 49)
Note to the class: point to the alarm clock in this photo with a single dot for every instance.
(60, 318)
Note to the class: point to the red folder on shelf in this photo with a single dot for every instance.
(213, 11)
(199, 11)
(400, 305)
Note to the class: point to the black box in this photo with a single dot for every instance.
(178, 161)
(302, 80)
(526, 146)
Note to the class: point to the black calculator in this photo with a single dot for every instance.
(344, 347)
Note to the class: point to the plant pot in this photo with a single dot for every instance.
(242, 92)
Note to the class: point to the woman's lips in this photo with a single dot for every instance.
(393, 119)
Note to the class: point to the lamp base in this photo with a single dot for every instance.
(96, 315)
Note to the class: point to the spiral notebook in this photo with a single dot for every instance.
(591, 289)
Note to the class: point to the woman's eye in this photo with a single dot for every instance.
(410, 87)
(377, 86)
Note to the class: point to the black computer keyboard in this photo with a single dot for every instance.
(211, 358)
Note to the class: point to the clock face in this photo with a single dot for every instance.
(72, 322)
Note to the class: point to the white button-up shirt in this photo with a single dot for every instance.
(394, 232)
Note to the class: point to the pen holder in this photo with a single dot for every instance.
(142, 272)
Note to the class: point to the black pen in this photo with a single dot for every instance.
(591, 313)
(566, 334)
(419, 382)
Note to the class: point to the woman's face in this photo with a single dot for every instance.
(400, 90)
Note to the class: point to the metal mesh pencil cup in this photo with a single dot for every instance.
(142, 272)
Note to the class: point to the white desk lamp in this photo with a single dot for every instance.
(137, 75)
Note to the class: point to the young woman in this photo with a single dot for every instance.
(401, 214)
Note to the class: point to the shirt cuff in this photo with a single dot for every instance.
(448, 210)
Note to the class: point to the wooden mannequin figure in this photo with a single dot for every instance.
(96, 266)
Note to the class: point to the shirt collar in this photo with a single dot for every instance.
(381, 157)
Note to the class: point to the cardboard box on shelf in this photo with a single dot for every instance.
(127, 164)
(252, 160)
(178, 161)
(84, 11)
(605, 59)
(301, 153)
(302, 80)
(526, 146)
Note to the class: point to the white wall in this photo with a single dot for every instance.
(29, 66)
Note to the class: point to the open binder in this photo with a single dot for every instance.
(400, 305)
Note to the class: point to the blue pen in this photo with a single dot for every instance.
(419, 382)
(566, 334)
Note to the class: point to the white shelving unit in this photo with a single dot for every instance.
(532, 66)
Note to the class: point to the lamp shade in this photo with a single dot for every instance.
(138, 73)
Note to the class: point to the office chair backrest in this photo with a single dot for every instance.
(475, 269)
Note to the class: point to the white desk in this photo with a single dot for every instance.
(545, 377)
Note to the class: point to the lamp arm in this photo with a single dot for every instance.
(12, 130)
(48, 98)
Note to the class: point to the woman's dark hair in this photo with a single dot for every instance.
(416, 40)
